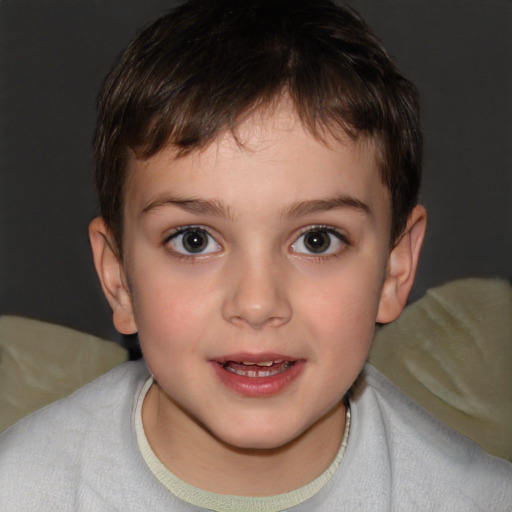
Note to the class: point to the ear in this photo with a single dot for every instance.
(401, 269)
(112, 276)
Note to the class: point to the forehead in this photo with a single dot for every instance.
(270, 156)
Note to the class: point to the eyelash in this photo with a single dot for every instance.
(191, 257)
(325, 229)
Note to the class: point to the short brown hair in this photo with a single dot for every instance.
(208, 64)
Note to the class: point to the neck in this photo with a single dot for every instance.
(196, 456)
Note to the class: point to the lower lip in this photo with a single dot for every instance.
(258, 386)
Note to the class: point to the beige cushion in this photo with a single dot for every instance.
(451, 351)
(42, 362)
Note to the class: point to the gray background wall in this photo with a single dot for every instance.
(54, 54)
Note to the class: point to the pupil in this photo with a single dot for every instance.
(195, 241)
(317, 241)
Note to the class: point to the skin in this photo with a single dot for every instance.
(256, 292)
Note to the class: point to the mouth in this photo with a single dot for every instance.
(258, 375)
(257, 369)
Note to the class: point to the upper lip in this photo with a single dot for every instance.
(253, 358)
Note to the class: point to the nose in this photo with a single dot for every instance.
(256, 295)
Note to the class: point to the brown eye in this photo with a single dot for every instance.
(193, 241)
(317, 241)
(320, 241)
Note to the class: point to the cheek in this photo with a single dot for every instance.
(346, 293)
(170, 313)
(343, 310)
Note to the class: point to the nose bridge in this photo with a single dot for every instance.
(257, 291)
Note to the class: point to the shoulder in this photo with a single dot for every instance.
(102, 397)
(64, 439)
(425, 455)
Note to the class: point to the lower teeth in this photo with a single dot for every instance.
(252, 373)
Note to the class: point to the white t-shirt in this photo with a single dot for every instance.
(82, 454)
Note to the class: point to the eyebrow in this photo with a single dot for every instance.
(323, 205)
(218, 208)
(196, 206)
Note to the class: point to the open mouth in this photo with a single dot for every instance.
(258, 375)
(258, 369)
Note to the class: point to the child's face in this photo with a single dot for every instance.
(273, 254)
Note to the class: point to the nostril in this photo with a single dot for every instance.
(255, 297)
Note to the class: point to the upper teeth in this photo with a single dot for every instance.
(262, 363)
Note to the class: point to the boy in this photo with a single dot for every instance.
(258, 167)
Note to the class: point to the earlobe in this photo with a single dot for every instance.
(401, 269)
(112, 276)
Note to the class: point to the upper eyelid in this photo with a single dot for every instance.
(340, 233)
(183, 229)
(342, 237)
(319, 227)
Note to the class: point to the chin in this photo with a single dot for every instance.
(258, 444)
(266, 438)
